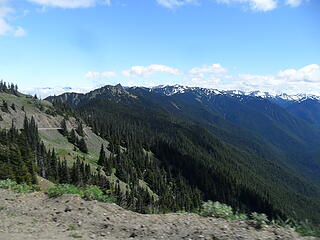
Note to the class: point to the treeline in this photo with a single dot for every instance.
(149, 185)
(72, 136)
(23, 156)
(168, 192)
(181, 167)
(8, 88)
(133, 166)
(16, 157)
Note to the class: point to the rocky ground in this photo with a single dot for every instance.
(35, 216)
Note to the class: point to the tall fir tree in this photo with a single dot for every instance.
(83, 146)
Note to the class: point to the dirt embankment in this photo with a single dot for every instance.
(35, 216)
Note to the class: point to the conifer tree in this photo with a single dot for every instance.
(13, 106)
(64, 130)
(102, 157)
(72, 137)
(83, 146)
(80, 129)
(4, 107)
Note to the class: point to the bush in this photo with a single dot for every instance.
(7, 184)
(219, 210)
(240, 216)
(18, 188)
(61, 189)
(259, 220)
(88, 193)
(216, 209)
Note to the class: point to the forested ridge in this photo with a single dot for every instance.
(136, 119)
(169, 193)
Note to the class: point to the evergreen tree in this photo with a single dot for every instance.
(102, 157)
(8, 88)
(80, 129)
(83, 146)
(64, 130)
(72, 138)
(4, 107)
(13, 106)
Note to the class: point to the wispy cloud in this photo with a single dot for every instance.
(43, 92)
(6, 10)
(175, 3)
(70, 3)
(147, 71)
(294, 3)
(100, 75)
(291, 81)
(214, 68)
(303, 80)
(5, 27)
(257, 5)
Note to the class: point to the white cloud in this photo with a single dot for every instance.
(294, 3)
(175, 3)
(214, 68)
(258, 5)
(99, 75)
(71, 3)
(43, 92)
(147, 71)
(291, 81)
(19, 32)
(310, 73)
(5, 27)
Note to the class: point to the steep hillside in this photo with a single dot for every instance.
(308, 110)
(288, 138)
(194, 136)
(63, 146)
(49, 123)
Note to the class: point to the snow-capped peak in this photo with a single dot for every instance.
(170, 90)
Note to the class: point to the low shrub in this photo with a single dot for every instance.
(18, 188)
(216, 209)
(88, 193)
(61, 189)
(259, 219)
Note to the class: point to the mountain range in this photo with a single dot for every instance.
(169, 148)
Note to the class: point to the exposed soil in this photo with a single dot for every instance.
(35, 216)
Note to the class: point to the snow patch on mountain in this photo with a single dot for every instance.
(171, 90)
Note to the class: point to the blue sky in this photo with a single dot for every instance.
(268, 45)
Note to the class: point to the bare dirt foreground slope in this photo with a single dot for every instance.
(35, 216)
